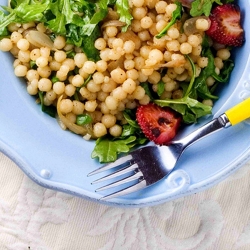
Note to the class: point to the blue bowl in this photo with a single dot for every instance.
(61, 160)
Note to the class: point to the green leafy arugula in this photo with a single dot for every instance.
(190, 109)
(83, 119)
(50, 110)
(108, 148)
(177, 13)
(3, 31)
(189, 105)
(122, 7)
(76, 20)
(24, 11)
(225, 72)
(204, 7)
(201, 89)
(160, 88)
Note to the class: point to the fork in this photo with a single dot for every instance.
(149, 164)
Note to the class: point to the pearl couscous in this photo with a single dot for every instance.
(105, 88)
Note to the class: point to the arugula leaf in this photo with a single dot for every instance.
(33, 64)
(98, 16)
(107, 150)
(200, 82)
(70, 54)
(88, 45)
(50, 110)
(13, 3)
(3, 31)
(160, 87)
(128, 130)
(200, 7)
(175, 16)
(122, 7)
(148, 90)
(189, 108)
(77, 20)
(132, 127)
(190, 86)
(198, 87)
(60, 9)
(83, 119)
(24, 12)
(86, 81)
(73, 35)
(129, 115)
(225, 71)
(29, 13)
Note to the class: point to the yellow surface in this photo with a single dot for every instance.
(239, 113)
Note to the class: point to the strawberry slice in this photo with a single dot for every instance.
(226, 25)
(158, 124)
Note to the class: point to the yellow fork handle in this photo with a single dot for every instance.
(239, 112)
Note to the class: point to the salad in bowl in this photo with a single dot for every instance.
(123, 73)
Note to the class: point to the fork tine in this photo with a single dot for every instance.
(142, 184)
(118, 162)
(117, 173)
(133, 177)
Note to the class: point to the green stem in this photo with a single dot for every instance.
(190, 86)
(11, 17)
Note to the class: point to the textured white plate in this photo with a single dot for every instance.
(60, 160)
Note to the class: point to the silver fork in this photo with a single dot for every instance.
(150, 164)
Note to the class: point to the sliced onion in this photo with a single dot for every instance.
(173, 64)
(115, 23)
(112, 15)
(39, 39)
(61, 124)
(87, 137)
(116, 64)
(186, 3)
(130, 35)
(218, 46)
(189, 26)
(80, 130)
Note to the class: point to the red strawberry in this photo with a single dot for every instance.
(158, 124)
(225, 25)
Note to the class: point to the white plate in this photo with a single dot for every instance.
(60, 160)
